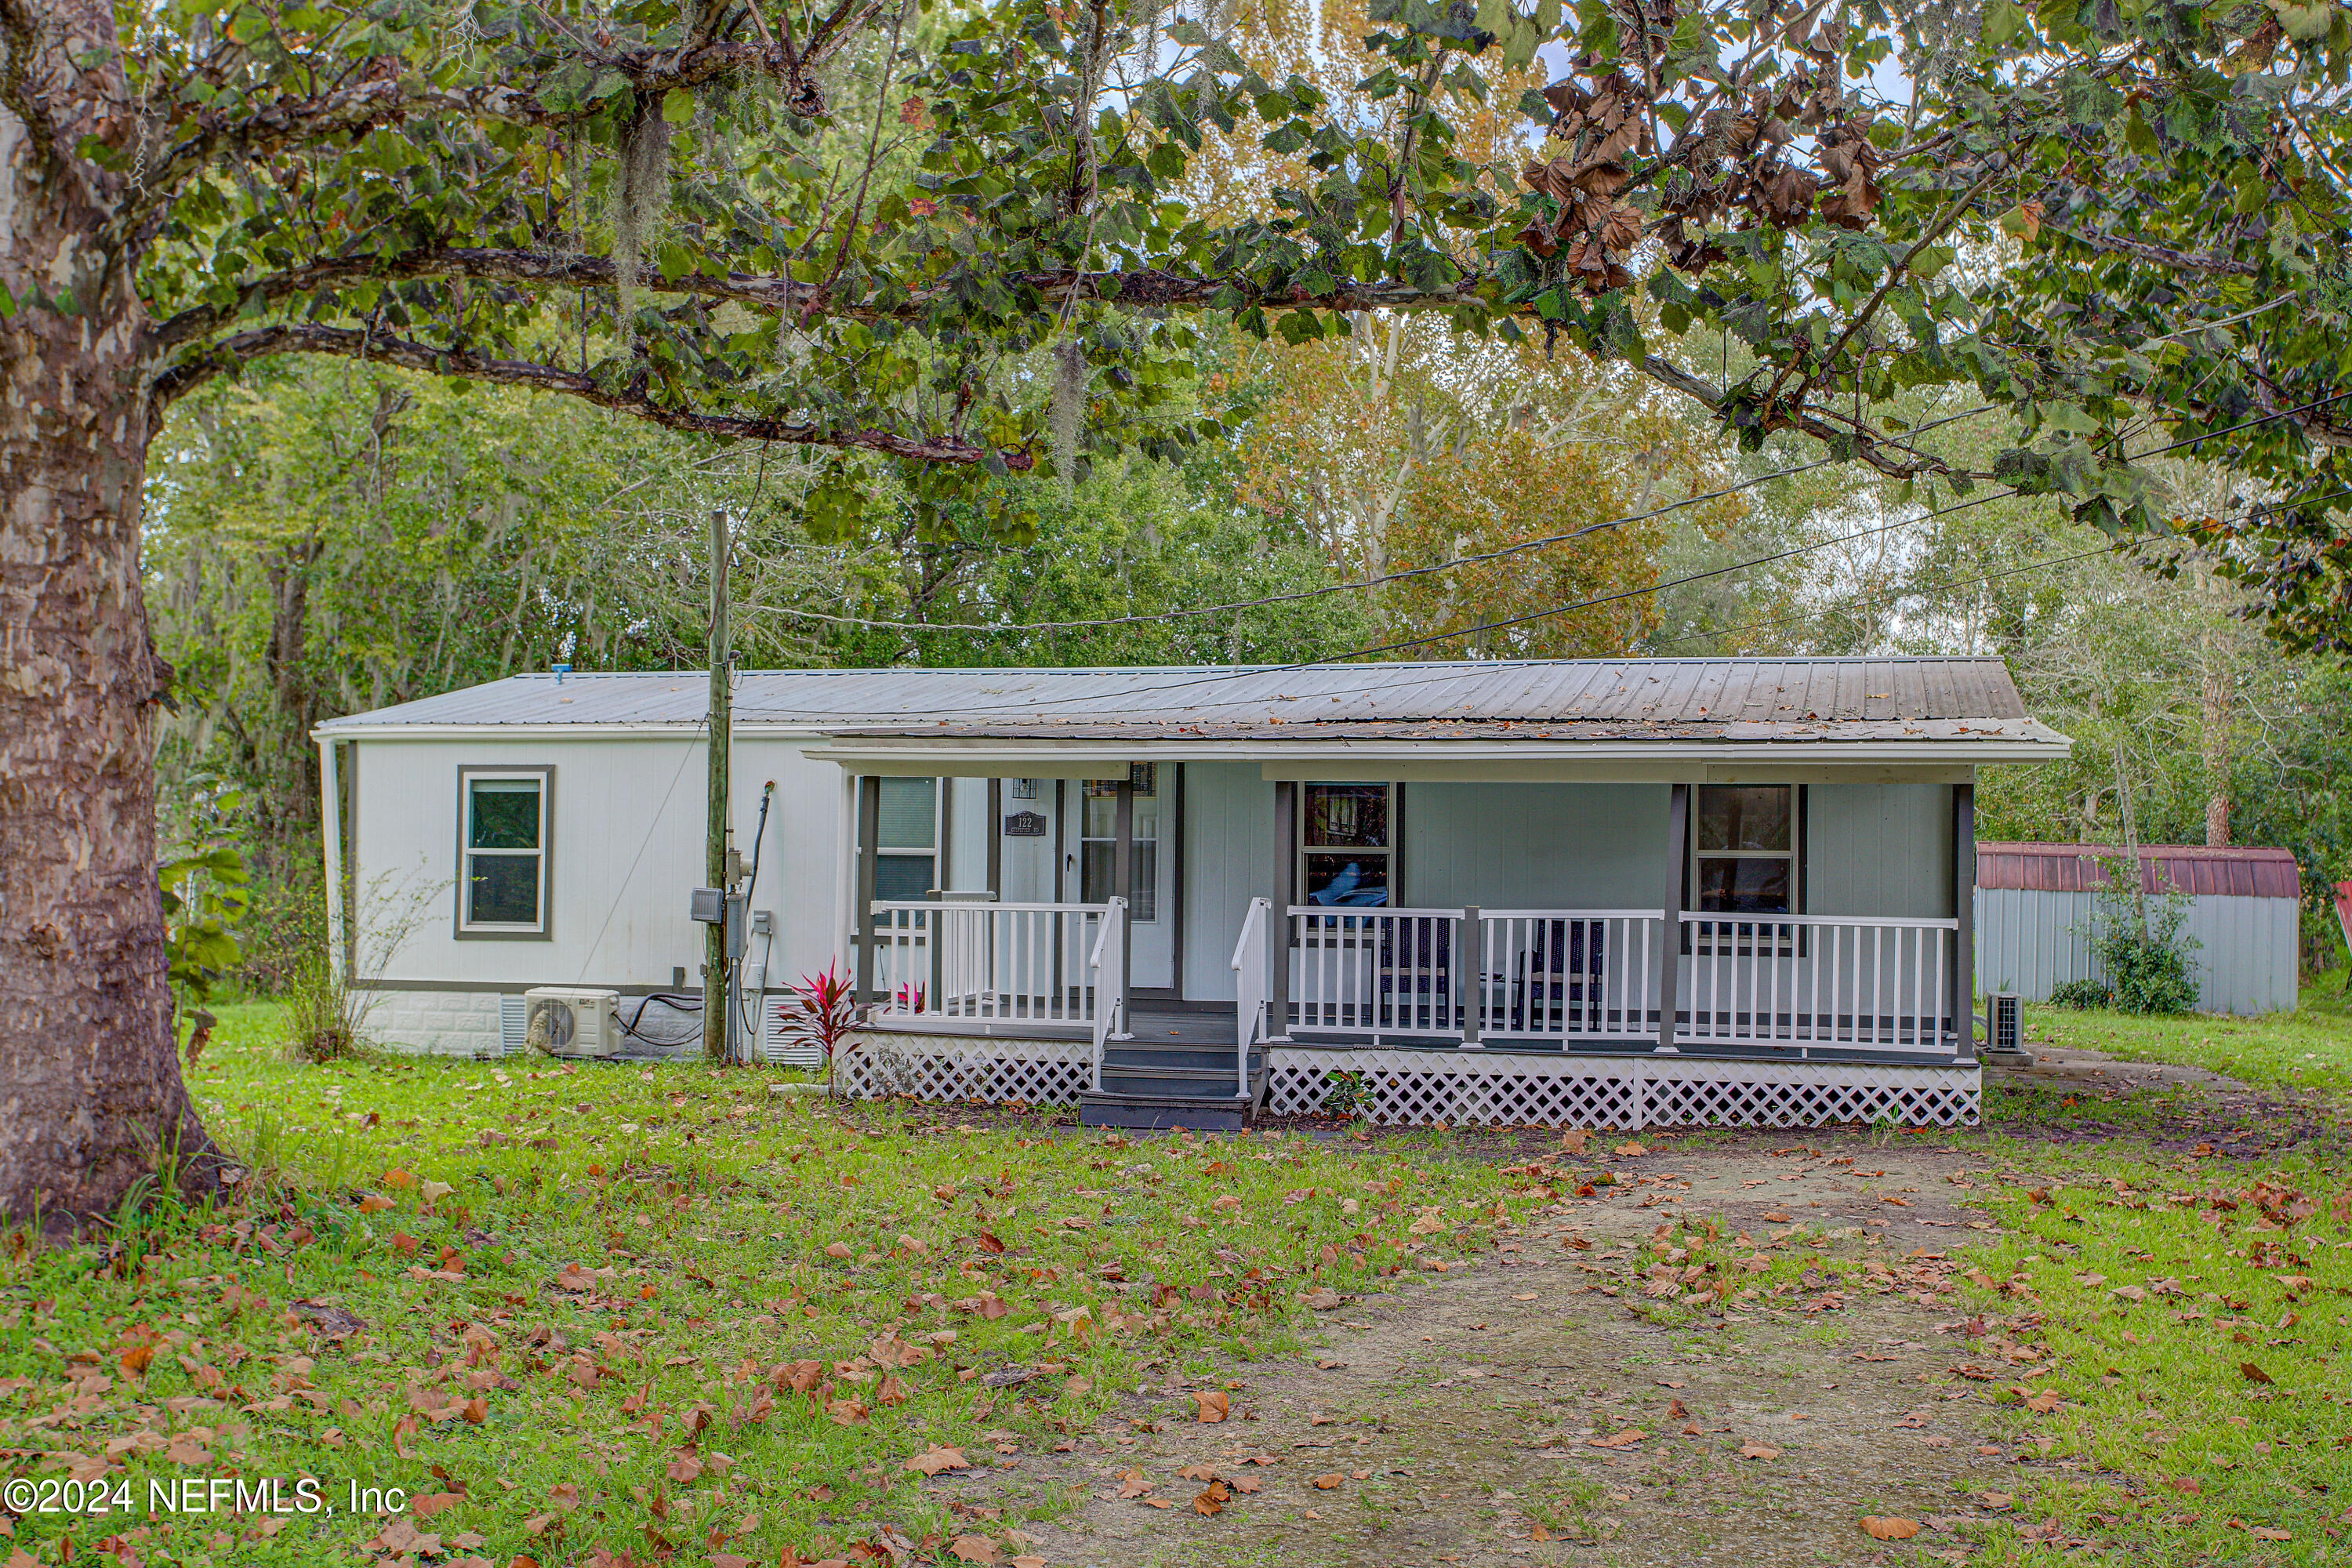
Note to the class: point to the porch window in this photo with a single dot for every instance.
(906, 864)
(502, 851)
(1347, 854)
(1098, 842)
(1744, 849)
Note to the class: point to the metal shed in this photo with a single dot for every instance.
(2035, 903)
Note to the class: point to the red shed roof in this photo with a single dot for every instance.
(2236, 872)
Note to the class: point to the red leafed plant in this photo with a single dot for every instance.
(823, 1013)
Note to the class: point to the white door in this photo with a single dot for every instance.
(1092, 862)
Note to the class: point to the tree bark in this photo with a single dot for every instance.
(2217, 680)
(91, 1098)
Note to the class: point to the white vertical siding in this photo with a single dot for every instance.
(1879, 849)
(626, 850)
(1536, 846)
(1231, 855)
(2030, 942)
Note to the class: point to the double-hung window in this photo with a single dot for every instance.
(906, 864)
(502, 838)
(1346, 844)
(1745, 858)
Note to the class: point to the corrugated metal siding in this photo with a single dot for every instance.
(2237, 872)
(1949, 697)
(2029, 941)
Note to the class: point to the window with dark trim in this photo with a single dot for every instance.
(1346, 844)
(502, 851)
(1747, 858)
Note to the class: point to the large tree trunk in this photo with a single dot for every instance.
(90, 1094)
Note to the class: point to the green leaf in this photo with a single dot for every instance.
(677, 105)
(2003, 20)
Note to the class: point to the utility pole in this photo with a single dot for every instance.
(715, 1010)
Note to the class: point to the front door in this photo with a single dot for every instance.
(1146, 792)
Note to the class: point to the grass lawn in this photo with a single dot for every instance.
(572, 1309)
(2181, 1333)
(2309, 1048)
(602, 1313)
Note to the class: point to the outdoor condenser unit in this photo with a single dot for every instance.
(2002, 1031)
(573, 1021)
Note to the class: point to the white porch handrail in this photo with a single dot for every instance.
(1845, 982)
(1582, 974)
(976, 965)
(1107, 963)
(1251, 977)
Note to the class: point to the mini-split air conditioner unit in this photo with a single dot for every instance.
(573, 1021)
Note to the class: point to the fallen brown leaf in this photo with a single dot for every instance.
(935, 1459)
(1211, 1500)
(1325, 1483)
(976, 1549)
(1625, 1439)
(1212, 1405)
(1890, 1528)
(2253, 1373)
(1758, 1451)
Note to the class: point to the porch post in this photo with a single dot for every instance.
(1286, 893)
(996, 839)
(1670, 971)
(1122, 881)
(1470, 961)
(869, 856)
(1964, 909)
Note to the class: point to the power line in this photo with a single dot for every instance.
(1521, 548)
(1961, 582)
(1623, 594)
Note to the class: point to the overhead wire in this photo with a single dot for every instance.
(1569, 608)
(1351, 586)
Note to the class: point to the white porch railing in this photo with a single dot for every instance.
(1835, 980)
(1559, 975)
(1593, 977)
(973, 966)
(1473, 974)
(1108, 963)
(1251, 974)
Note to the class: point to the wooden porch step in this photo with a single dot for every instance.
(1150, 1053)
(1148, 1113)
(1143, 1081)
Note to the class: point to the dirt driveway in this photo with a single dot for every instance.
(1481, 1418)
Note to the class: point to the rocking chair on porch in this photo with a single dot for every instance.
(1417, 977)
(1558, 988)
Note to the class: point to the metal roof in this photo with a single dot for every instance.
(1910, 700)
(2236, 871)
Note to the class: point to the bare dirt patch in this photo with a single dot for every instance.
(1484, 1419)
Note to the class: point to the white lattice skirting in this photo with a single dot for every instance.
(1621, 1093)
(941, 1067)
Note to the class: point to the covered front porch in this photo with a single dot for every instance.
(1601, 892)
(1747, 1008)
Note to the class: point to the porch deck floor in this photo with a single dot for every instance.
(1182, 1028)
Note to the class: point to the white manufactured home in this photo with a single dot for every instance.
(1608, 893)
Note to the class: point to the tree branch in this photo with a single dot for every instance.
(381, 91)
(2163, 255)
(176, 380)
(1140, 288)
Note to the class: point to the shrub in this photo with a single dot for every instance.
(2082, 995)
(2137, 940)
